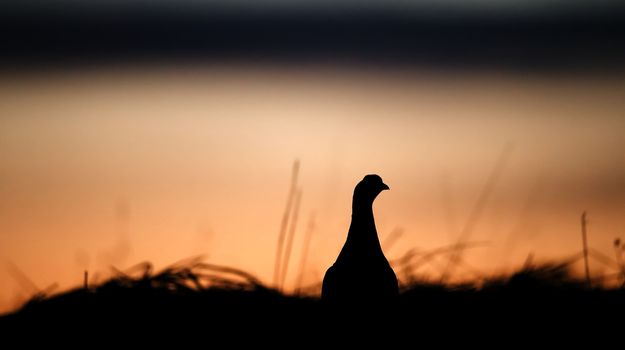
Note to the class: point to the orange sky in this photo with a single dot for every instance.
(118, 166)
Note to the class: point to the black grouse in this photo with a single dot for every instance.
(361, 271)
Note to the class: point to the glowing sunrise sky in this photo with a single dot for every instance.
(119, 166)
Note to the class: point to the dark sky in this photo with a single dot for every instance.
(471, 5)
(520, 34)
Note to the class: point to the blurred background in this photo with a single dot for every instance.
(160, 130)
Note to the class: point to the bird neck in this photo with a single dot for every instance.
(362, 210)
(362, 238)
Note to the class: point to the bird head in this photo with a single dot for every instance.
(368, 189)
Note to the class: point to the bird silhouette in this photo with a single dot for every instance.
(361, 271)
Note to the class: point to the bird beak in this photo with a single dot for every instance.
(385, 187)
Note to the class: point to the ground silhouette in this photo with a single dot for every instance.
(361, 271)
(198, 301)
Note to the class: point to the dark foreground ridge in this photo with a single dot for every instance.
(542, 299)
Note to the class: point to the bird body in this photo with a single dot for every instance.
(361, 271)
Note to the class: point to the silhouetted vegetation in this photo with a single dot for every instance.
(193, 292)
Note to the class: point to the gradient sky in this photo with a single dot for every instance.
(118, 166)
